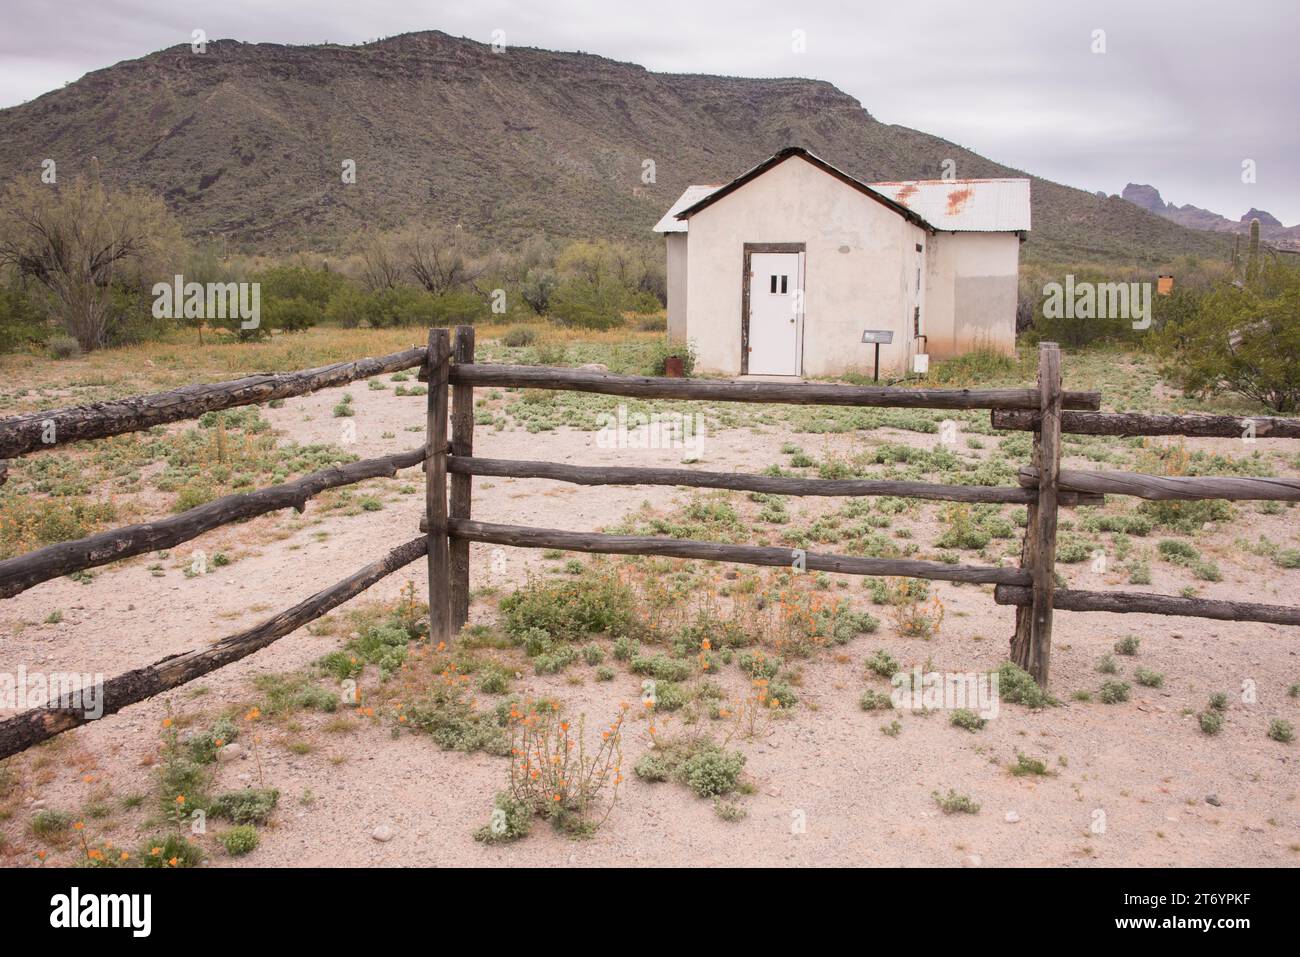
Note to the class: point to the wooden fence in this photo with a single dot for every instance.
(447, 528)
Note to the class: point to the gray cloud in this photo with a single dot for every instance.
(1183, 94)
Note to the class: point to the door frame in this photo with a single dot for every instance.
(750, 248)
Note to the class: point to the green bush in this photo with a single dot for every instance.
(570, 610)
(249, 806)
(589, 304)
(1113, 692)
(240, 840)
(712, 771)
(511, 820)
(169, 851)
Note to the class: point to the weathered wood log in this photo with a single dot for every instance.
(1145, 603)
(31, 727)
(35, 431)
(24, 571)
(1032, 645)
(1168, 488)
(1146, 423)
(743, 482)
(435, 486)
(722, 390)
(462, 443)
(520, 536)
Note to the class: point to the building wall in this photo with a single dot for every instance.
(676, 286)
(860, 269)
(970, 296)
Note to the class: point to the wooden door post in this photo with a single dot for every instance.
(462, 444)
(1031, 648)
(435, 486)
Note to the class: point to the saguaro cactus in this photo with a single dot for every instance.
(1252, 254)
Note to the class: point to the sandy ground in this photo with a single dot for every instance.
(1130, 780)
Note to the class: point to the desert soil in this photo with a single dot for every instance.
(1129, 786)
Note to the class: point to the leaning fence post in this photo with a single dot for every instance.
(462, 444)
(435, 486)
(1031, 648)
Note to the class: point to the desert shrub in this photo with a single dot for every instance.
(556, 775)
(444, 712)
(1128, 645)
(589, 304)
(872, 700)
(661, 668)
(1113, 692)
(204, 747)
(1018, 686)
(239, 840)
(712, 771)
(47, 823)
(1211, 722)
(954, 803)
(1281, 730)
(571, 610)
(516, 337)
(1148, 678)
(966, 719)
(63, 347)
(1026, 766)
(1242, 337)
(511, 819)
(883, 663)
(169, 851)
(249, 806)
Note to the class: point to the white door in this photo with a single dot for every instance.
(775, 313)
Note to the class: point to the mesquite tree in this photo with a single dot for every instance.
(81, 242)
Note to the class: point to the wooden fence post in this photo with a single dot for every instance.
(435, 486)
(1031, 648)
(462, 444)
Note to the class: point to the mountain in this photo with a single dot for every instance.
(1148, 198)
(248, 140)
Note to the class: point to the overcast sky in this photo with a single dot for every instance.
(1183, 94)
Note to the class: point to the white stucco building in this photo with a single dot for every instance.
(783, 270)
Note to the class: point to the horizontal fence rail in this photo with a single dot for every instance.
(31, 727)
(24, 571)
(577, 380)
(1146, 603)
(1162, 488)
(1144, 423)
(524, 537)
(35, 431)
(743, 482)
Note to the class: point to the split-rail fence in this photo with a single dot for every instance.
(448, 528)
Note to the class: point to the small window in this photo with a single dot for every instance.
(783, 279)
(773, 288)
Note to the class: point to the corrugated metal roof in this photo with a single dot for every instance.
(965, 205)
(670, 223)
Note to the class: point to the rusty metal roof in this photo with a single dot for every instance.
(965, 205)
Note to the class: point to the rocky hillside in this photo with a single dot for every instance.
(249, 141)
